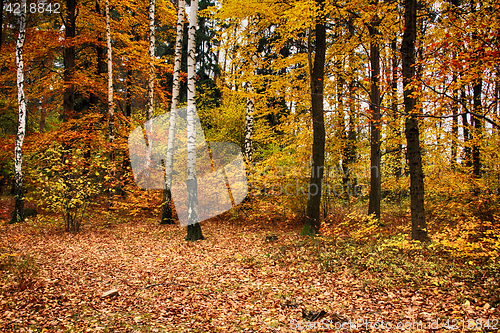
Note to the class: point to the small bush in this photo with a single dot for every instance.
(463, 215)
(71, 170)
(17, 268)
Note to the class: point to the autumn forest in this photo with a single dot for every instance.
(249, 166)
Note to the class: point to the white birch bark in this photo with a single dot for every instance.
(151, 84)
(192, 188)
(167, 194)
(111, 113)
(175, 93)
(18, 215)
(249, 126)
(249, 118)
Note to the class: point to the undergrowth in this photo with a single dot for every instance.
(19, 270)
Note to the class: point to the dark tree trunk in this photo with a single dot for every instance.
(166, 204)
(454, 129)
(194, 232)
(348, 178)
(455, 105)
(18, 212)
(465, 124)
(312, 221)
(350, 181)
(43, 115)
(476, 121)
(1, 23)
(419, 228)
(128, 96)
(375, 124)
(397, 148)
(102, 66)
(476, 154)
(166, 208)
(69, 61)
(343, 130)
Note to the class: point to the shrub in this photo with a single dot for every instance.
(20, 269)
(70, 171)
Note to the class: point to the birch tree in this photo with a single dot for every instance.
(110, 78)
(1, 23)
(249, 125)
(166, 217)
(151, 84)
(18, 214)
(194, 228)
(111, 104)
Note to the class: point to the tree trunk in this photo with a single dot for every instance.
(69, 61)
(111, 104)
(465, 124)
(150, 91)
(341, 134)
(18, 214)
(312, 222)
(476, 148)
(111, 113)
(167, 213)
(249, 126)
(350, 151)
(397, 169)
(476, 121)
(419, 228)
(375, 124)
(151, 77)
(128, 95)
(454, 127)
(102, 67)
(43, 114)
(1, 23)
(455, 103)
(194, 229)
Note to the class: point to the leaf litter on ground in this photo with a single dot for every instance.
(233, 281)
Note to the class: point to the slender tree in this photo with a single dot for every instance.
(69, 60)
(348, 179)
(194, 228)
(477, 90)
(465, 125)
(111, 104)
(1, 23)
(397, 148)
(18, 214)
(151, 50)
(128, 94)
(419, 228)
(454, 125)
(111, 113)
(375, 177)
(249, 125)
(317, 74)
(101, 64)
(167, 214)
(151, 85)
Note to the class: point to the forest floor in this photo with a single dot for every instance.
(233, 281)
